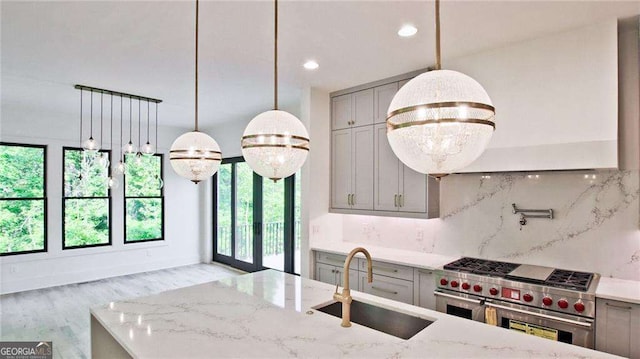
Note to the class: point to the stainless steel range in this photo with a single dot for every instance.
(553, 303)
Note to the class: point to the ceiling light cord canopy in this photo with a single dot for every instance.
(275, 143)
(195, 155)
(440, 121)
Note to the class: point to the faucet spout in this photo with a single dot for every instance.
(345, 296)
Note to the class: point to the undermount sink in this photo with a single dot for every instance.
(398, 324)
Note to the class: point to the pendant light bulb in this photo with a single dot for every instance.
(104, 160)
(148, 149)
(91, 145)
(440, 121)
(195, 155)
(129, 148)
(113, 182)
(275, 143)
(120, 168)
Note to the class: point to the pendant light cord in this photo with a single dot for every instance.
(91, 122)
(156, 139)
(438, 60)
(130, 120)
(111, 125)
(197, 6)
(101, 126)
(148, 122)
(120, 151)
(80, 117)
(275, 56)
(139, 125)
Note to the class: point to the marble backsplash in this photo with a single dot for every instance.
(596, 224)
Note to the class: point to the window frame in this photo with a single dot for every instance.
(44, 199)
(65, 198)
(161, 197)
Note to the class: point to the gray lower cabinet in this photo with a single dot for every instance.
(388, 287)
(424, 284)
(618, 327)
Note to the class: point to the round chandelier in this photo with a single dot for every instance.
(195, 155)
(440, 121)
(275, 143)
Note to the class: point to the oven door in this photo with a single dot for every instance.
(542, 323)
(460, 305)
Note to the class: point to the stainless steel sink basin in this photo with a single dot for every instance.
(398, 324)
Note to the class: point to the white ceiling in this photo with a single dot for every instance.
(146, 47)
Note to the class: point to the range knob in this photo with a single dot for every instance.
(579, 307)
(466, 286)
(547, 301)
(454, 283)
(493, 291)
(444, 281)
(527, 297)
(562, 303)
(477, 288)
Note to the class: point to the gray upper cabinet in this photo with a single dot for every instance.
(352, 110)
(352, 168)
(382, 99)
(367, 177)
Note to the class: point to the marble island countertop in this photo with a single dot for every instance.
(269, 314)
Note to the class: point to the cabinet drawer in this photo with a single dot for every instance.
(333, 275)
(335, 260)
(389, 270)
(387, 287)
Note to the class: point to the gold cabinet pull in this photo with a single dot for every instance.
(400, 200)
(383, 269)
(395, 200)
(384, 290)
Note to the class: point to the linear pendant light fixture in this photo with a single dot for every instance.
(440, 121)
(195, 155)
(275, 143)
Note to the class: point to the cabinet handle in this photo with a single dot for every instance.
(424, 272)
(349, 199)
(384, 290)
(400, 201)
(383, 269)
(395, 200)
(353, 199)
(618, 306)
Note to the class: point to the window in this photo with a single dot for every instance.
(255, 219)
(144, 200)
(23, 202)
(87, 199)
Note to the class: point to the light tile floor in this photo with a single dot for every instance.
(61, 314)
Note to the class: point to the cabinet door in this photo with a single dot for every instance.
(618, 328)
(388, 287)
(382, 99)
(413, 190)
(386, 176)
(341, 163)
(341, 112)
(362, 107)
(362, 179)
(424, 286)
(327, 273)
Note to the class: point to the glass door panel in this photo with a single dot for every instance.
(244, 213)
(224, 225)
(273, 224)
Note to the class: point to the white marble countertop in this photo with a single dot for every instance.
(263, 315)
(609, 288)
(619, 289)
(390, 255)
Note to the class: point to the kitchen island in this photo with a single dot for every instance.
(270, 314)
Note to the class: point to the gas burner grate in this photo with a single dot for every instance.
(569, 279)
(481, 266)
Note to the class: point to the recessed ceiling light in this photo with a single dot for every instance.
(407, 30)
(311, 65)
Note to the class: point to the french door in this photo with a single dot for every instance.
(255, 220)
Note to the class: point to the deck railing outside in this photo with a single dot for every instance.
(272, 239)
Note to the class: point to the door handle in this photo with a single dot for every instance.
(349, 199)
(440, 294)
(586, 324)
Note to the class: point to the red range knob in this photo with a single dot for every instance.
(477, 288)
(547, 301)
(454, 284)
(444, 281)
(579, 307)
(562, 303)
(527, 297)
(493, 291)
(466, 286)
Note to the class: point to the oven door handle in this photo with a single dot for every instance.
(440, 294)
(589, 324)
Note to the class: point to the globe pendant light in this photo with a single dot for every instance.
(195, 155)
(440, 121)
(275, 143)
(91, 145)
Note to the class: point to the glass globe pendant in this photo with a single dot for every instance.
(275, 143)
(195, 155)
(440, 121)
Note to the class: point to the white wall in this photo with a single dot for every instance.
(35, 123)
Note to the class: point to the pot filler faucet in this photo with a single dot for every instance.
(345, 297)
